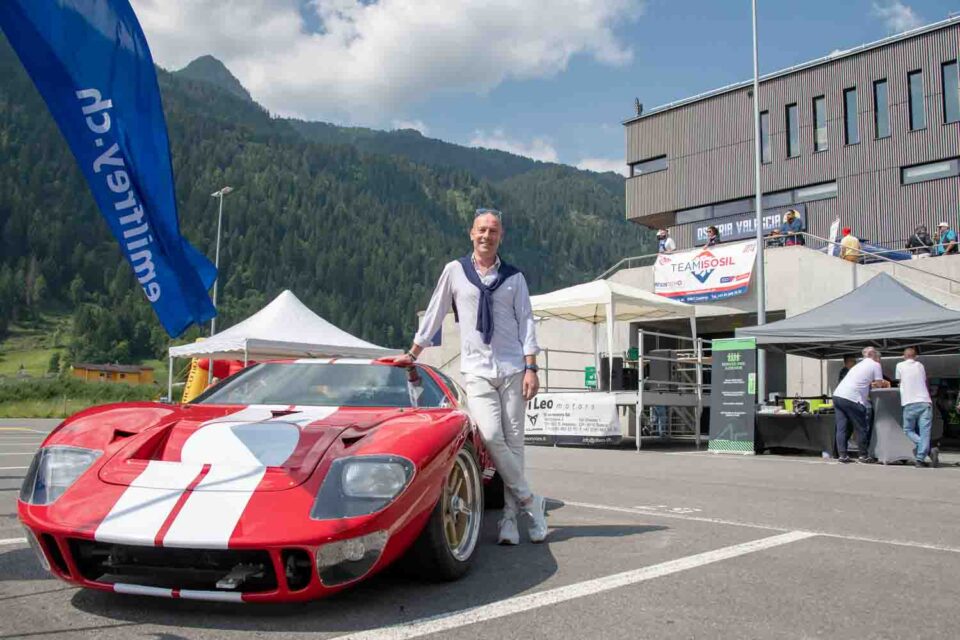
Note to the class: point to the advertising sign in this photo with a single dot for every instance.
(706, 274)
(744, 225)
(733, 395)
(572, 418)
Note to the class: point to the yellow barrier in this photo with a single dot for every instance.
(196, 382)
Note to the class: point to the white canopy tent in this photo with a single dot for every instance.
(284, 328)
(605, 301)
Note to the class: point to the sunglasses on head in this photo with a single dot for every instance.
(483, 212)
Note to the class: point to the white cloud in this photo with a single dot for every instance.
(372, 58)
(898, 17)
(417, 125)
(602, 165)
(538, 148)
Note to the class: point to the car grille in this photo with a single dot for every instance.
(170, 568)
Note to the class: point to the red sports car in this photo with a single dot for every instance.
(288, 481)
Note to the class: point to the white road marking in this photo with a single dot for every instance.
(766, 527)
(11, 468)
(519, 604)
(13, 541)
(30, 453)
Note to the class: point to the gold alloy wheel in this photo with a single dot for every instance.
(462, 506)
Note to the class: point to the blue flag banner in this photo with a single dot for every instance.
(90, 61)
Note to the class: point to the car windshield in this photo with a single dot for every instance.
(328, 385)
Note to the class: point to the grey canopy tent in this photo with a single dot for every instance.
(883, 312)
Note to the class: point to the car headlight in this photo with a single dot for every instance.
(52, 472)
(360, 486)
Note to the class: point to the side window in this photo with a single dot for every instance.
(455, 390)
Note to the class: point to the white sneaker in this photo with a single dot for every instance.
(509, 534)
(537, 511)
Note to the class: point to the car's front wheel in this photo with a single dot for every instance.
(447, 544)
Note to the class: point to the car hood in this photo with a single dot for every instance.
(281, 444)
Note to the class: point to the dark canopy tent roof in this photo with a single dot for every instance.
(882, 312)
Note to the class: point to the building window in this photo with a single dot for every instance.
(851, 121)
(918, 116)
(815, 192)
(648, 166)
(793, 132)
(881, 110)
(765, 137)
(930, 171)
(820, 123)
(951, 92)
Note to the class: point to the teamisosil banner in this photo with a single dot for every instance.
(572, 418)
(90, 61)
(705, 274)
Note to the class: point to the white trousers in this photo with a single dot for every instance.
(499, 409)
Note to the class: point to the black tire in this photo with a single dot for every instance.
(431, 556)
(493, 493)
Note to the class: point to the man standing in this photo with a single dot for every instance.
(850, 401)
(946, 240)
(665, 243)
(498, 359)
(792, 228)
(848, 363)
(917, 407)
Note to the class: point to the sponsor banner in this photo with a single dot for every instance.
(733, 395)
(706, 274)
(91, 63)
(744, 225)
(572, 418)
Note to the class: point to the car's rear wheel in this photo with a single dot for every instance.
(447, 544)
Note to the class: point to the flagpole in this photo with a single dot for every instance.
(761, 283)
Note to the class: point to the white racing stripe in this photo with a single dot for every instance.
(213, 509)
(520, 604)
(142, 509)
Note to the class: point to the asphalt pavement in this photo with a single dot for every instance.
(660, 544)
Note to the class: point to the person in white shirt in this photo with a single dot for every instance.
(498, 359)
(917, 407)
(665, 243)
(851, 400)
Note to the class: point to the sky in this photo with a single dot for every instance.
(549, 79)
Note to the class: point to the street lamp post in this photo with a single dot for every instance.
(216, 257)
(761, 281)
(219, 194)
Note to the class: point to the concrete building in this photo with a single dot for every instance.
(870, 135)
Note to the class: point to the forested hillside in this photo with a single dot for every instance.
(357, 223)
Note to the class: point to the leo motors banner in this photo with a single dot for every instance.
(706, 274)
(572, 418)
(733, 395)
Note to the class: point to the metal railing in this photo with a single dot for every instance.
(813, 242)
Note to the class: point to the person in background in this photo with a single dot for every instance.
(849, 246)
(713, 236)
(850, 401)
(848, 362)
(665, 243)
(792, 228)
(917, 407)
(920, 243)
(946, 240)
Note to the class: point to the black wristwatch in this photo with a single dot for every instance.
(531, 367)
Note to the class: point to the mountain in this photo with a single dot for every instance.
(209, 69)
(359, 233)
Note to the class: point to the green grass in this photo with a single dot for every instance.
(42, 408)
(30, 345)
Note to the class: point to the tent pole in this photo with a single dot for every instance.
(639, 410)
(610, 343)
(246, 354)
(170, 379)
(596, 355)
(698, 354)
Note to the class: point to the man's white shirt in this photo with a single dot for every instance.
(913, 382)
(514, 332)
(855, 386)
